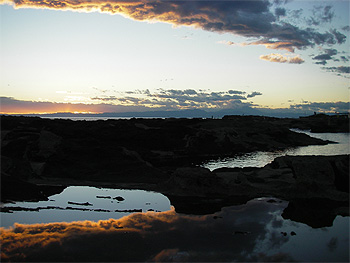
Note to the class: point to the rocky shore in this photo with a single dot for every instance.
(39, 157)
(315, 186)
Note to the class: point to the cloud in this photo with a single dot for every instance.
(328, 55)
(296, 13)
(280, 12)
(229, 43)
(344, 58)
(331, 52)
(282, 59)
(236, 92)
(182, 99)
(340, 69)
(346, 28)
(138, 100)
(244, 18)
(143, 237)
(281, 2)
(282, 45)
(323, 57)
(325, 107)
(341, 38)
(253, 94)
(323, 62)
(10, 105)
(321, 15)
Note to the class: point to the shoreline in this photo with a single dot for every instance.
(43, 156)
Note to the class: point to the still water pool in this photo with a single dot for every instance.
(69, 205)
(260, 159)
(146, 227)
(255, 231)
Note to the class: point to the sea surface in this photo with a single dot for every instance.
(255, 231)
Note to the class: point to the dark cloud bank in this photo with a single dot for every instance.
(231, 104)
(252, 19)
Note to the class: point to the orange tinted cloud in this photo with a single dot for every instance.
(22, 240)
(282, 59)
(150, 236)
(245, 18)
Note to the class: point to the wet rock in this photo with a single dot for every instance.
(159, 154)
(18, 208)
(323, 123)
(271, 201)
(241, 233)
(101, 210)
(195, 180)
(135, 150)
(315, 212)
(119, 198)
(77, 208)
(16, 189)
(77, 203)
(48, 144)
(197, 190)
(129, 211)
(37, 167)
(104, 197)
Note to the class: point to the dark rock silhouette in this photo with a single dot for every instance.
(79, 203)
(161, 155)
(15, 189)
(308, 182)
(119, 198)
(103, 197)
(315, 212)
(118, 150)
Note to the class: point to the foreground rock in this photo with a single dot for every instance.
(287, 177)
(15, 189)
(160, 155)
(136, 150)
(315, 186)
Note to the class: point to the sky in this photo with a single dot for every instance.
(121, 56)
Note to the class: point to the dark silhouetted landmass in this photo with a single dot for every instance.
(41, 156)
(191, 113)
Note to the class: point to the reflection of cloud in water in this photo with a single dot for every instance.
(250, 232)
(332, 244)
(160, 236)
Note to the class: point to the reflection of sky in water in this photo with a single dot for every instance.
(260, 159)
(134, 199)
(309, 244)
(250, 232)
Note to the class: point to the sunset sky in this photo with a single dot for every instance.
(117, 56)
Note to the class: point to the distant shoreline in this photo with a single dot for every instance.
(177, 114)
